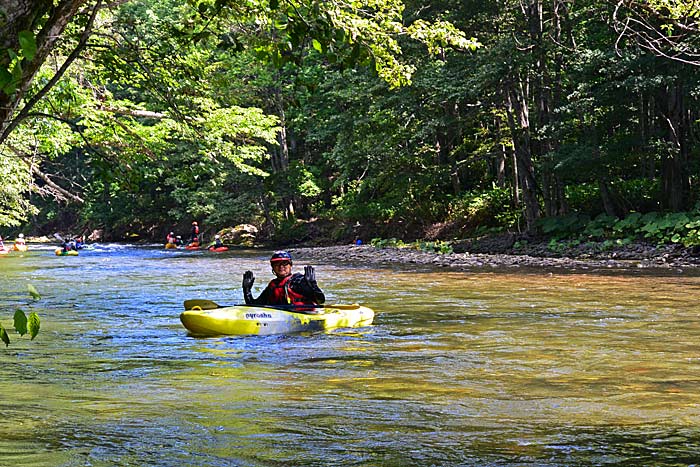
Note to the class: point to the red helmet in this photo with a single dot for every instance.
(280, 256)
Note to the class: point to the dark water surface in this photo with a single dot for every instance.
(489, 368)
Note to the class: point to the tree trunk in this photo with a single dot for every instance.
(674, 168)
(280, 157)
(608, 203)
(500, 166)
(24, 15)
(518, 121)
(516, 179)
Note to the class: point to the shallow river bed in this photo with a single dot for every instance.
(459, 368)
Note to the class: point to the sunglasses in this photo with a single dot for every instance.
(281, 263)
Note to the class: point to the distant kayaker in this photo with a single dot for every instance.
(68, 245)
(20, 240)
(217, 243)
(286, 288)
(195, 232)
(170, 238)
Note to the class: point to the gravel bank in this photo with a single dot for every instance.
(631, 258)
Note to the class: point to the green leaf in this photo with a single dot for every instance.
(27, 42)
(9, 89)
(20, 322)
(3, 335)
(5, 77)
(33, 292)
(274, 4)
(34, 324)
(317, 45)
(17, 72)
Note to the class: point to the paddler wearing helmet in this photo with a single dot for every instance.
(286, 288)
(217, 243)
(194, 237)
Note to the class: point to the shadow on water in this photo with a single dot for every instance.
(475, 368)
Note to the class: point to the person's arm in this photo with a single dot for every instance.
(248, 281)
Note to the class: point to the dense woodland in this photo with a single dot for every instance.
(442, 119)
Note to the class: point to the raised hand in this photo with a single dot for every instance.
(310, 275)
(248, 280)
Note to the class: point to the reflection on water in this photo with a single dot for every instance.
(481, 368)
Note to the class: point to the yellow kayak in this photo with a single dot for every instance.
(203, 319)
(60, 252)
(19, 247)
(169, 246)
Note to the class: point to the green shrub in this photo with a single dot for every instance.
(634, 195)
(491, 209)
(677, 227)
(437, 246)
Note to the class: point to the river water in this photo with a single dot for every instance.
(482, 368)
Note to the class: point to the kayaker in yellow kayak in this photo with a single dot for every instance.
(286, 288)
(69, 245)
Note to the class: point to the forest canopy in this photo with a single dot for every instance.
(408, 119)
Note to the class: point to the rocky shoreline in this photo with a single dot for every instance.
(668, 259)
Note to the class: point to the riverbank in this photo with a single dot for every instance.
(590, 258)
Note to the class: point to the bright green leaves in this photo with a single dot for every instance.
(22, 325)
(33, 292)
(440, 35)
(660, 228)
(675, 9)
(20, 322)
(347, 34)
(11, 76)
(33, 325)
(3, 335)
(27, 42)
(239, 135)
(16, 183)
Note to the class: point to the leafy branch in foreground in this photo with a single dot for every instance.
(24, 324)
